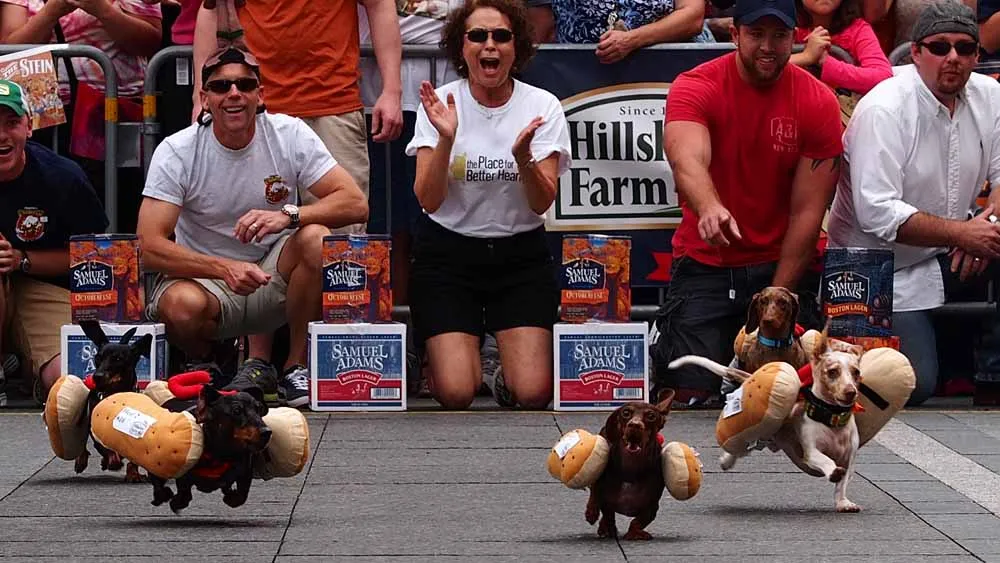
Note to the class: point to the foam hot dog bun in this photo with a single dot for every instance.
(64, 414)
(681, 470)
(887, 379)
(768, 397)
(288, 450)
(578, 458)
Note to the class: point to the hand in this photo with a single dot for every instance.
(257, 223)
(522, 145)
(244, 278)
(196, 110)
(817, 45)
(614, 46)
(9, 259)
(966, 264)
(717, 226)
(980, 237)
(97, 8)
(443, 117)
(62, 7)
(387, 118)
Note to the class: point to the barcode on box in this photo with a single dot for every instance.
(385, 393)
(627, 393)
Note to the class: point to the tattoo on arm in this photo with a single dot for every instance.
(816, 163)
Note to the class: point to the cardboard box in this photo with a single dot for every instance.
(357, 286)
(857, 291)
(871, 342)
(357, 367)
(595, 279)
(105, 271)
(600, 366)
(78, 351)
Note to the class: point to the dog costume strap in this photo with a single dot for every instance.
(834, 416)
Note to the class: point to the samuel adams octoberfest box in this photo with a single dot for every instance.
(356, 283)
(104, 278)
(595, 283)
(857, 291)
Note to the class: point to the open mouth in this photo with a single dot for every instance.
(234, 110)
(490, 65)
(6, 150)
(633, 443)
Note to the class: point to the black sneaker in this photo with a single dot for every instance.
(294, 386)
(257, 373)
(498, 386)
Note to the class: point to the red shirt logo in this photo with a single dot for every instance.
(784, 132)
(30, 224)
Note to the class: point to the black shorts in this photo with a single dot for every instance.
(478, 285)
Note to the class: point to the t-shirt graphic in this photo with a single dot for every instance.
(436, 9)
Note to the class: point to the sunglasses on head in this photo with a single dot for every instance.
(500, 35)
(223, 86)
(942, 48)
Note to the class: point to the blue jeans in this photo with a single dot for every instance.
(918, 340)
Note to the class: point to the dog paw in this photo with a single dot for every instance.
(161, 496)
(606, 529)
(591, 515)
(112, 462)
(234, 500)
(638, 535)
(847, 506)
(179, 503)
(837, 474)
(81, 463)
(727, 461)
(135, 477)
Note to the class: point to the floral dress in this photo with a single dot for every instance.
(584, 21)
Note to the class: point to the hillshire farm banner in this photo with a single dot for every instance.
(620, 182)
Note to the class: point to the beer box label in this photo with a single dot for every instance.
(78, 351)
(104, 278)
(356, 281)
(600, 371)
(872, 342)
(595, 279)
(359, 371)
(857, 291)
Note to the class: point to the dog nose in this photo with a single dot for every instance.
(851, 394)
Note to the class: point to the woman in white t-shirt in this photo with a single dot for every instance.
(489, 152)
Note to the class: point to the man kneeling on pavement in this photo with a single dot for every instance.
(44, 199)
(246, 259)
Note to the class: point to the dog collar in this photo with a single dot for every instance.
(775, 342)
(834, 416)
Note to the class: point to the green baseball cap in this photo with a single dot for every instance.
(12, 96)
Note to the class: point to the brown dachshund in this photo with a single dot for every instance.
(772, 315)
(632, 482)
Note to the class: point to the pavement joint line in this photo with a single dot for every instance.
(958, 472)
(302, 488)
(21, 484)
(992, 432)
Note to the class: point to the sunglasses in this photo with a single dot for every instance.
(942, 48)
(224, 86)
(500, 35)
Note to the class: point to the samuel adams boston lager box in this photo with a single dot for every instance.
(600, 366)
(78, 351)
(595, 279)
(104, 278)
(357, 367)
(857, 291)
(356, 283)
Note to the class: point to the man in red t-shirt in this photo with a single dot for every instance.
(755, 145)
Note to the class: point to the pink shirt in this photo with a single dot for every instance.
(81, 28)
(182, 32)
(859, 40)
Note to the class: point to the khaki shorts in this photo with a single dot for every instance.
(261, 311)
(346, 137)
(36, 311)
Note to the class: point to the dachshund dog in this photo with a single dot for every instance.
(632, 482)
(772, 315)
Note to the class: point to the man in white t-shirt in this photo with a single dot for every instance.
(246, 259)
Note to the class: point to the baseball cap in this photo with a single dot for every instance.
(749, 11)
(949, 16)
(229, 55)
(12, 96)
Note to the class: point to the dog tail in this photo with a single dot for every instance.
(737, 376)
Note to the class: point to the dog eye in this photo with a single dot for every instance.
(650, 416)
(626, 413)
(237, 410)
(833, 374)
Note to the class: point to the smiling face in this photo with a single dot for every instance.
(489, 62)
(945, 61)
(763, 49)
(233, 108)
(14, 133)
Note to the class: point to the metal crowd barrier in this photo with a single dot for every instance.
(110, 116)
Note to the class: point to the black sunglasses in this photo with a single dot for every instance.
(500, 35)
(942, 48)
(223, 86)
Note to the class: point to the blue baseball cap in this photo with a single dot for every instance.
(749, 11)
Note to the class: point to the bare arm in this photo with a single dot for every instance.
(812, 191)
(431, 184)
(45, 262)
(139, 36)
(157, 220)
(989, 33)
(540, 182)
(543, 24)
(689, 152)
(678, 26)
(341, 202)
(386, 41)
(924, 229)
(204, 45)
(18, 29)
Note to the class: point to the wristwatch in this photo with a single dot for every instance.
(25, 264)
(293, 212)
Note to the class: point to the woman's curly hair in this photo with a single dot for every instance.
(453, 34)
(843, 16)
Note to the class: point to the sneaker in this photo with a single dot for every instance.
(498, 386)
(257, 373)
(294, 387)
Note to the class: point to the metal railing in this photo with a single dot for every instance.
(110, 115)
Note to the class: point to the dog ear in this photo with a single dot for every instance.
(856, 350)
(94, 332)
(822, 344)
(206, 398)
(753, 315)
(127, 337)
(612, 431)
(142, 347)
(794, 314)
(664, 400)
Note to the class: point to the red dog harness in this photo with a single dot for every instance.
(187, 386)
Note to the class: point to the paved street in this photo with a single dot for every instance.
(430, 486)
